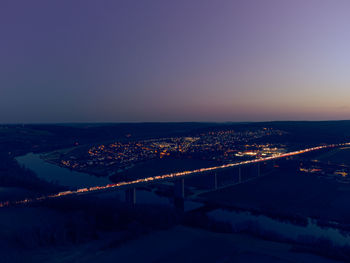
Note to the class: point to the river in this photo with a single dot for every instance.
(74, 180)
(237, 219)
(63, 176)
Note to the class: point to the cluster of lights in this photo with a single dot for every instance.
(167, 176)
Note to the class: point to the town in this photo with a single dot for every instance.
(222, 146)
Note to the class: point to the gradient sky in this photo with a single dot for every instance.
(179, 60)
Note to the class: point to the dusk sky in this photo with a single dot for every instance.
(180, 60)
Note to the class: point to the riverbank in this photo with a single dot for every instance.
(287, 194)
(183, 244)
(59, 175)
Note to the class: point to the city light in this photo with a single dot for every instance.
(153, 179)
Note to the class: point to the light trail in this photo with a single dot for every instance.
(167, 176)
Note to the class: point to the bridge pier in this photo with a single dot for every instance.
(179, 195)
(130, 196)
(179, 188)
(239, 174)
(214, 181)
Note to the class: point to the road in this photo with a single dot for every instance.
(158, 178)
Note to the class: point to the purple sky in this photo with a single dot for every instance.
(183, 60)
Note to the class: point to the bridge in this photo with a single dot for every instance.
(178, 178)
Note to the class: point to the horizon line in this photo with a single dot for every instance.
(165, 122)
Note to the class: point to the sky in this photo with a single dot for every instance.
(165, 60)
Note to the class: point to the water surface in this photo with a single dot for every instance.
(285, 229)
(63, 176)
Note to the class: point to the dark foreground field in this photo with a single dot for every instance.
(288, 193)
(31, 231)
(187, 245)
(337, 156)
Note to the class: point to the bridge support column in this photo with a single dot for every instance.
(130, 196)
(179, 195)
(239, 174)
(214, 181)
(179, 188)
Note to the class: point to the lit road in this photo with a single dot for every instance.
(158, 178)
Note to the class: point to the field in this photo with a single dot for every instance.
(337, 156)
(181, 244)
(290, 194)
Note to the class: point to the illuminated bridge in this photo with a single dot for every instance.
(178, 178)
